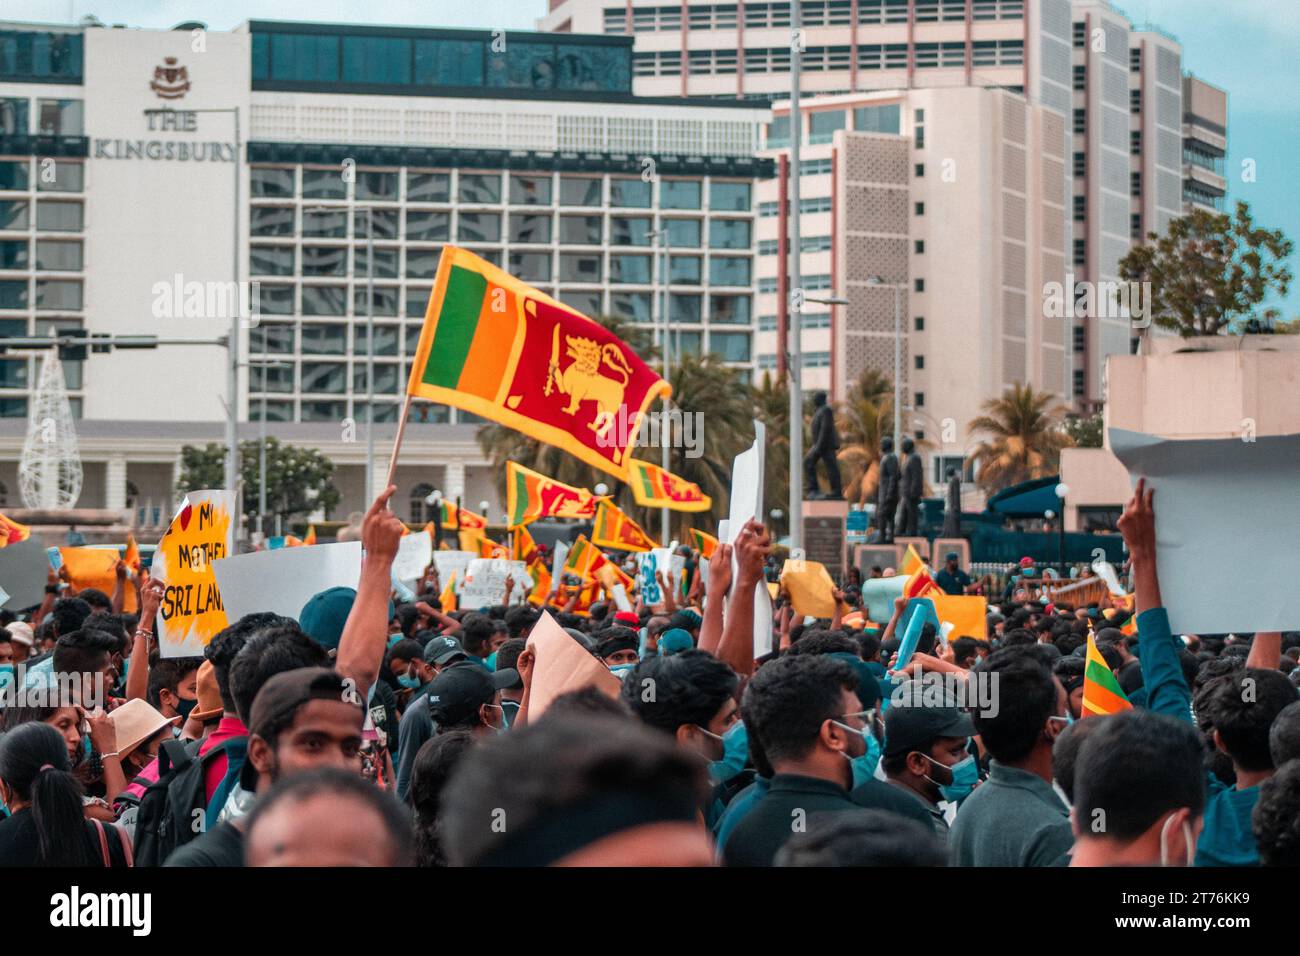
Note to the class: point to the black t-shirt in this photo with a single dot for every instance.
(20, 843)
(223, 845)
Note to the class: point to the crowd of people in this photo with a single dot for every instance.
(372, 733)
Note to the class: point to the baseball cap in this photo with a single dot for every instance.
(628, 618)
(209, 695)
(324, 615)
(457, 693)
(442, 650)
(20, 632)
(952, 556)
(674, 641)
(911, 724)
(282, 695)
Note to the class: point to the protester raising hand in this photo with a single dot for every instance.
(1138, 526)
(365, 635)
(715, 597)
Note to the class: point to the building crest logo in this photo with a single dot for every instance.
(170, 81)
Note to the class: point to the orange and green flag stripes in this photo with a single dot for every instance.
(704, 543)
(652, 487)
(11, 532)
(531, 495)
(499, 348)
(522, 546)
(911, 561)
(1101, 691)
(459, 518)
(584, 559)
(613, 529)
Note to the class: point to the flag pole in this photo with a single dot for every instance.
(397, 441)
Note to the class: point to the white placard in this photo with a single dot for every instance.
(485, 583)
(452, 562)
(747, 503)
(414, 553)
(284, 580)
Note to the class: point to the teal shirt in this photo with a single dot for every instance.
(1014, 819)
(1226, 836)
(740, 805)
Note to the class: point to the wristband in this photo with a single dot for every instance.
(113, 754)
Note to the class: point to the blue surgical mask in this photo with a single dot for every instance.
(6, 675)
(621, 670)
(965, 774)
(864, 767)
(409, 681)
(735, 752)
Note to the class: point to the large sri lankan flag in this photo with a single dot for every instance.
(510, 353)
(653, 487)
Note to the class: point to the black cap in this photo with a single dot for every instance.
(442, 650)
(909, 725)
(281, 696)
(457, 693)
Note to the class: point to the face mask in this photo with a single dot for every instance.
(965, 774)
(621, 670)
(1068, 718)
(1189, 845)
(6, 674)
(408, 680)
(735, 751)
(184, 705)
(864, 766)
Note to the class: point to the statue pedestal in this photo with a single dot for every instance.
(824, 537)
(867, 556)
(920, 545)
(944, 545)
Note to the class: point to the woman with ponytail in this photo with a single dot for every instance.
(46, 825)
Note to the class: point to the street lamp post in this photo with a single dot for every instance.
(794, 343)
(1062, 490)
(665, 277)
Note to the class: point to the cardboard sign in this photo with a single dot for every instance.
(94, 568)
(810, 587)
(283, 581)
(452, 562)
(563, 665)
(192, 611)
(24, 571)
(414, 554)
(485, 582)
(747, 504)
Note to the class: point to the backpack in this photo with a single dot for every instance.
(174, 810)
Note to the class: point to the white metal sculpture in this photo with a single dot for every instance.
(49, 471)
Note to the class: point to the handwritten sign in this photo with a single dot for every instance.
(485, 582)
(192, 612)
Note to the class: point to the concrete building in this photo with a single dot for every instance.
(1205, 145)
(360, 152)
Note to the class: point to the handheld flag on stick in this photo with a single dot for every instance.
(584, 559)
(911, 561)
(461, 518)
(499, 348)
(531, 495)
(652, 487)
(1102, 694)
(706, 544)
(448, 596)
(11, 532)
(131, 557)
(523, 547)
(614, 529)
(920, 584)
(311, 535)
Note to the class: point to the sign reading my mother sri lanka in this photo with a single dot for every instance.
(499, 348)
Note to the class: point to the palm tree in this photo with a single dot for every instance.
(865, 417)
(1025, 437)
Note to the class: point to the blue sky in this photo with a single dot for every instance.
(1248, 47)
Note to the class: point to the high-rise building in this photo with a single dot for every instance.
(1205, 145)
(361, 152)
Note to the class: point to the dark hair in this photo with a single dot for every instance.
(408, 616)
(1284, 735)
(476, 631)
(1276, 817)
(227, 644)
(54, 793)
(964, 649)
(1243, 706)
(545, 772)
(508, 653)
(521, 619)
(863, 838)
(167, 673)
(300, 787)
(265, 654)
(588, 700)
(1065, 753)
(407, 649)
(788, 700)
(1027, 697)
(96, 599)
(433, 766)
(819, 641)
(68, 614)
(1135, 767)
(110, 624)
(689, 688)
(82, 651)
(1015, 636)
(870, 646)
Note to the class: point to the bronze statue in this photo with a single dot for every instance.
(887, 491)
(825, 442)
(912, 487)
(952, 506)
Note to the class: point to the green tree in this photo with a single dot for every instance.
(298, 480)
(1025, 437)
(865, 417)
(1085, 432)
(1210, 272)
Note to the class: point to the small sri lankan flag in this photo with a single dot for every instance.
(584, 559)
(614, 529)
(652, 487)
(704, 543)
(499, 348)
(531, 495)
(461, 519)
(522, 546)
(1102, 694)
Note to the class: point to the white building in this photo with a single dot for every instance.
(119, 165)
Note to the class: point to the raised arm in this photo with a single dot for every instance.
(1265, 650)
(365, 635)
(1162, 674)
(737, 645)
(137, 678)
(716, 598)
